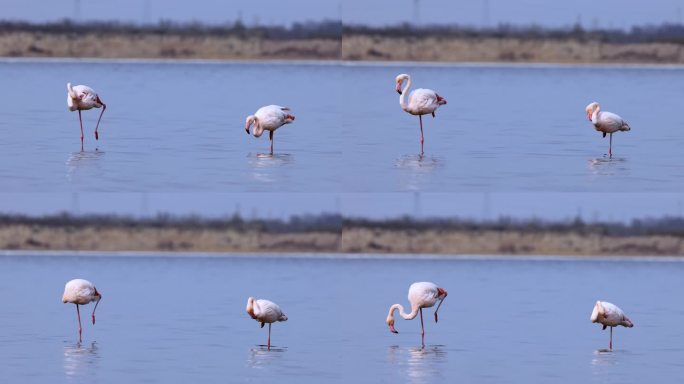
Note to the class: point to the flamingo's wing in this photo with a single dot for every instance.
(423, 100)
(610, 121)
(85, 93)
(269, 311)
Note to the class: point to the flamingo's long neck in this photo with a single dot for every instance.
(71, 91)
(594, 116)
(406, 316)
(402, 97)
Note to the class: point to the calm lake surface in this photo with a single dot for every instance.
(182, 319)
(168, 127)
(180, 127)
(514, 128)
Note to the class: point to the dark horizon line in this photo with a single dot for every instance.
(228, 23)
(334, 222)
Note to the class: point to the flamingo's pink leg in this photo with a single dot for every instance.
(78, 313)
(270, 137)
(611, 339)
(422, 329)
(610, 146)
(81, 121)
(422, 139)
(269, 336)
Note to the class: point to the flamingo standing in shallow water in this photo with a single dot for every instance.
(270, 118)
(81, 98)
(606, 122)
(420, 295)
(265, 311)
(81, 292)
(420, 102)
(609, 315)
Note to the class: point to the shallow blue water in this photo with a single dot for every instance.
(180, 319)
(514, 128)
(168, 127)
(178, 127)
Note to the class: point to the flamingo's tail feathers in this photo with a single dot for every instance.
(284, 108)
(283, 317)
(625, 126)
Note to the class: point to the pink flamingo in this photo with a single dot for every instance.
(270, 118)
(420, 295)
(609, 315)
(81, 292)
(606, 122)
(81, 98)
(265, 311)
(420, 102)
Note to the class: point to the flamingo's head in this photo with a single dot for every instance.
(399, 80)
(250, 307)
(248, 123)
(390, 324)
(591, 108)
(289, 118)
(598, 314)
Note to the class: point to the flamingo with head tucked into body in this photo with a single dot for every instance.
(606, 122)
(420, 102)
(265, 311)
(421, 295)
(609, 315)
(82, 98)
(270, 118)
(81, 292)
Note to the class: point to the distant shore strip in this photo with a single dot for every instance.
(331, 234)
(330, 41)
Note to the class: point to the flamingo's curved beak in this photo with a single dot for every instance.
(589, 116)
(398, 88)
(392, 329)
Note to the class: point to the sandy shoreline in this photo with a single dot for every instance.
(349, 240)
(349, 47)
(507, 50)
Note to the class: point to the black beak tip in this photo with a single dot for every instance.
(395, 331)
(399, 92)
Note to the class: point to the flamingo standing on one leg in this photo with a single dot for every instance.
(606, 122)
(81, 98)
(265, 311)
(270, 118)
(609, 315)
(420, 295)
(420, 102)
(81, 292)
